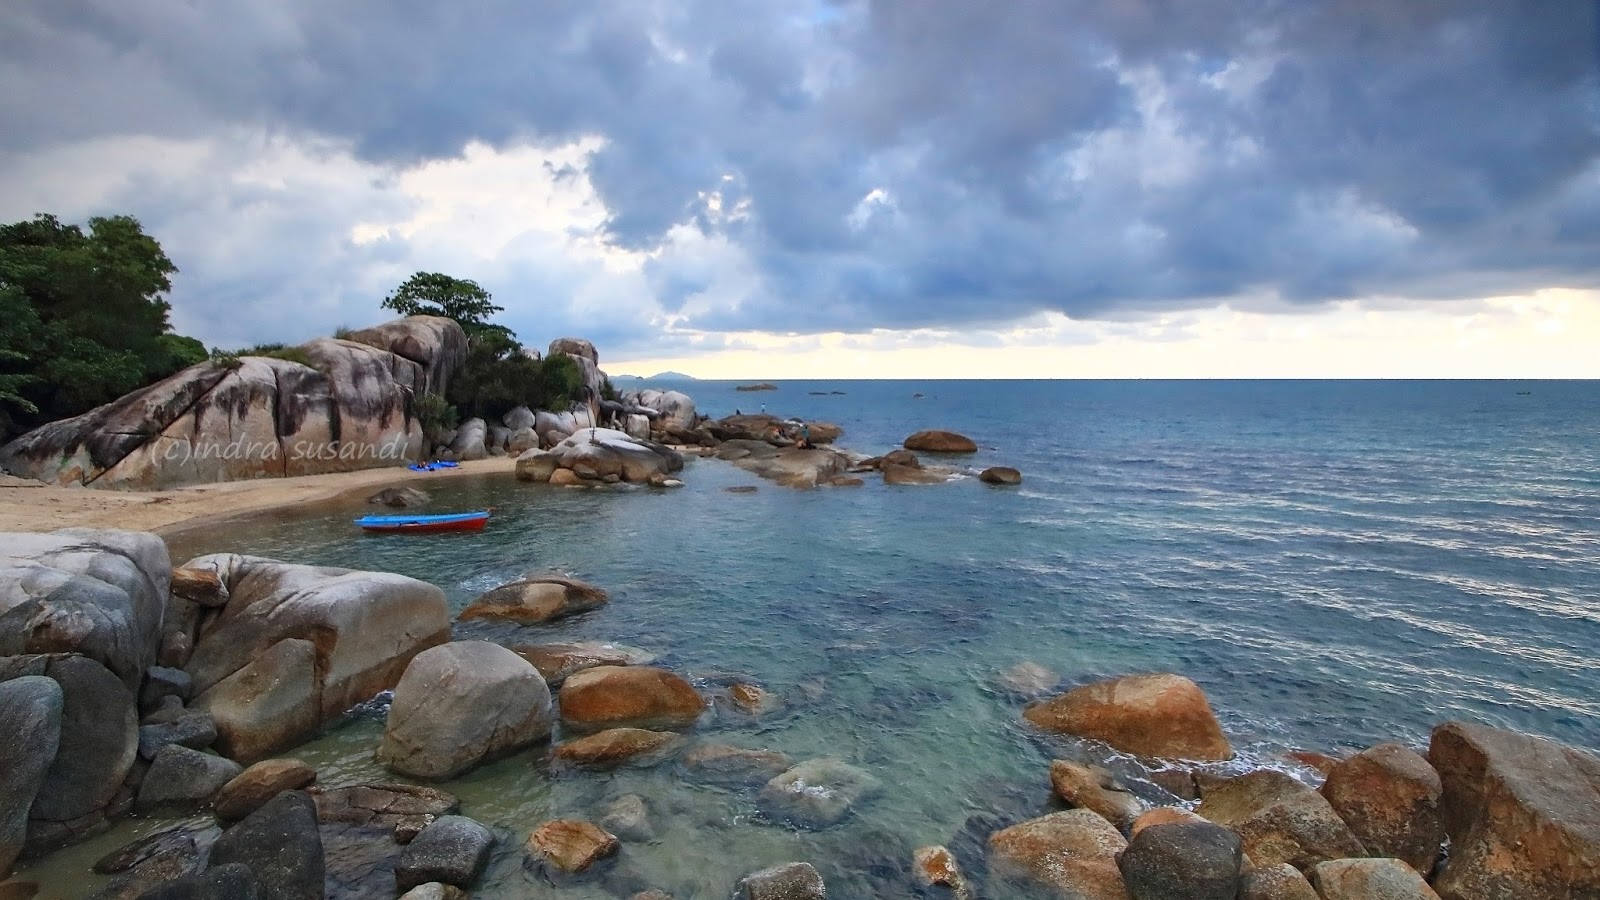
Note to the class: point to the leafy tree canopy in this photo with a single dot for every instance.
(433, 294)
(83, 319)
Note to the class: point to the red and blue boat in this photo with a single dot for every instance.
(467, 521)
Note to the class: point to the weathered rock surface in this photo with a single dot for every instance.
(399, 497)
(536, 465)
(1280, 820)
(1165, 815)
(233, 881)
(1389, 796)
(98, 744)
(194, 729)
(595, 453)
(30, 715)
(460, 705)
(893, 474)
(452, 850)
(817, 793)
(1193, 861)
(616, 746)
(281, 846)
(161, 682)
(181, 779)
(1369, 879)
(1072, 854)
(1146, 715)
(535, 599)
(570, 845)
(556, 662)
(629, 696)
(1000, 475)
(159, 868)
(381, 805)
(349, 634)
(434, 890)
(352, 408)
(936, 441)
(1523, 815)
(1279, 882)
(470, 440)
(1095, 789)
(100, 593)
(436, 343)
(202, 587)
(674, 410)
(252, 788)
(723, 764)
(792, 881)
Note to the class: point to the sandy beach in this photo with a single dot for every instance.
(30, 506)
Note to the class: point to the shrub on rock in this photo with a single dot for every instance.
(461, 704)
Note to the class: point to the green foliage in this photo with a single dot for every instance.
(271, 351)
(608, 391)
(84, 317)
(226, 358)
(433, 294)
(343, 332)
(435, 414)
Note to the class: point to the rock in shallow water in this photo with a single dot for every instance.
(559, 661)
(723, 764)
(233, 881)
(636, 696)
(253, 787)
(535, 599)
(1146, 715)
(281, 846)
(817, 793)
(453, 850)
(936, 441)
(183, 779)
(1072, 853)
(616, 746)
(570, 845)
(462, 704)
(1095, 789)
(1000, 475)
(794, 881)
(628, 817)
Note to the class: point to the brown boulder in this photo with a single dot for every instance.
(1000, 475)
(570, 845)
(893, 474)
(615, 746)
(900, 457)
(1279, 882)
(935, 441)
(1389, 796)
(1369, 879)
(1095, 789)
(1146, 715)
(1280, 820)
(1523, 815)
(535, 599)
(202, 587)
(619, 696)
(253, 787)
(557, 662)
(1073, 854)
(1165, 815)
(936, 867)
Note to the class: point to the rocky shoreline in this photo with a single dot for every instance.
(139, 688)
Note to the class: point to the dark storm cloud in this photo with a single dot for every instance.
(1093, 158)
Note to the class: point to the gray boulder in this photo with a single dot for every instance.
(233, 881)
(182, 779)
(399, 497)
(594, 453)
(194, 729)
(452, 850)
(99, 741)
(280, 845)
(471, 441)
(437, 344)
(521, 441)
(30, 714)
(101, 593)
(161, 682)
(792, 881)
(367, 626)
(518, 418)
(1197, 862)
(460, 705)
(817, 793)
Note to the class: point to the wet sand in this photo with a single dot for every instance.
(30, 506)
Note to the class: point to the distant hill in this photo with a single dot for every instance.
(659, 376)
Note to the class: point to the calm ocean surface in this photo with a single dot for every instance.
(1336, 563)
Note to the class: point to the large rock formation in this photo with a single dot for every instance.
(593, 455)
(587, 357)
(255, 417)
(1523, 815)
(463, 704)
(1146, 715)
(296, 646)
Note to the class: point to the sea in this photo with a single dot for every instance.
(1336, 563)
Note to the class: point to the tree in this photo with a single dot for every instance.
(84, 317)
(433, 294)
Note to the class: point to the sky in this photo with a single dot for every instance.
(812, 188)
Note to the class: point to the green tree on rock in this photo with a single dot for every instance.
(433, 294)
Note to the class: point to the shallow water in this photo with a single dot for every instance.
(1336, 563)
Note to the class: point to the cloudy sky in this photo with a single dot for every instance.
(794, 188)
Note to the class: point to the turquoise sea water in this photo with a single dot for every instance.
(1336, 563)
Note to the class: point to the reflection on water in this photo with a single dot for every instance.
(1334, 568)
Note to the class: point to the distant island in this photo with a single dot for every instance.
(763, 386)
(659, 376)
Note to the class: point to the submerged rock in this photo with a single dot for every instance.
(1029, 679)
(935, 867)
(817, 793)
(616, 746)
(1000, 475)
(792, 881)
(557, 662)
(1389, 796)
(233, 881)
(622, 696)
(570, 845)
(1280, 820)
(1521, 813)
(723, 764)
(628, 817)
(935, 441)
(462, 704)
(384, 806)
(535, 599)
(1146, 715)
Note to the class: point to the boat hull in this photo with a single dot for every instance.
(423, 524)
